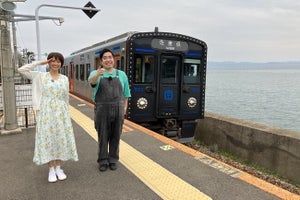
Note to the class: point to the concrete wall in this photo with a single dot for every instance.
(274, 149)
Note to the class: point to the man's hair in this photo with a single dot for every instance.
(105, 51)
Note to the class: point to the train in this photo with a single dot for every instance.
(166, 72)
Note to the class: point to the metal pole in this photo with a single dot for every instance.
(22, 17)
(9, 103)
(16, 58)
(37, 22)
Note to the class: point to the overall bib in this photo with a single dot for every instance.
(109, 118)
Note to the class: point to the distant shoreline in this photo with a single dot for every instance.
(253, 64)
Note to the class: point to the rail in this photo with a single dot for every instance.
(25, 114)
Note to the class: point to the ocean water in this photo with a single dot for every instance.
(266, 95)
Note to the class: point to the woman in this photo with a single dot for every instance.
(54, 139)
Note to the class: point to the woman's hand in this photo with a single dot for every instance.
(44, 62)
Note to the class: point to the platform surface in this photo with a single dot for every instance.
(151, 167)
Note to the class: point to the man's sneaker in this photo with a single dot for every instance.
(113, 166)
(103, 167)
(60, 174)
(52, 176)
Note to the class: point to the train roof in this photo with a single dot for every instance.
(116, 38)
(123, 37)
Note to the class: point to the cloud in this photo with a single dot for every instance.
(235, 30)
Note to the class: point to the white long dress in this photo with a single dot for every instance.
(54, 138)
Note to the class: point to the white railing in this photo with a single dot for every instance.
(25, 113)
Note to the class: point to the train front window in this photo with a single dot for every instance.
(191, 72)
(144, 69)
(169, 68)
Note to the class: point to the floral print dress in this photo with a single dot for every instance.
(54, 139)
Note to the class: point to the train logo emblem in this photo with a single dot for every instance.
(168, 95)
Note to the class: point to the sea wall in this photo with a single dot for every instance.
(272, 148)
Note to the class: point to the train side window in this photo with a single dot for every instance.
(122, 63)
(67, 70)
(77, 72)
(191, 72)
(87, 72)
(71, 75)
(62, 70)
(144, 69)
(118, 64)
(82, 72)
(97, 63)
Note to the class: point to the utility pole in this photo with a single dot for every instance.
(7, 69)
(16, 60)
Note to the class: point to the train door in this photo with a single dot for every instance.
(169, 86)
(71, 77)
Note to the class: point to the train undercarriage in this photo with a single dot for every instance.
(181, 131)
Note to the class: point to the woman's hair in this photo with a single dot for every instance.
(56, 55)
(105, 51)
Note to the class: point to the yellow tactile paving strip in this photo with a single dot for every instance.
(273, 189)
(161, 181)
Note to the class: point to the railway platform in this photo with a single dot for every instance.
(151, 167)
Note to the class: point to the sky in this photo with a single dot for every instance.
(234, 30)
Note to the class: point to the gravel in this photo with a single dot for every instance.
(251, 170)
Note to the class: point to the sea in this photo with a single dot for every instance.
(265, 94)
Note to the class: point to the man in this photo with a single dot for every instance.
(111, 93)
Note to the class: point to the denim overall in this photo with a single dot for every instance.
(109, 118)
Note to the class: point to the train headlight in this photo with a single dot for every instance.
(192, 102)
(142, 103)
